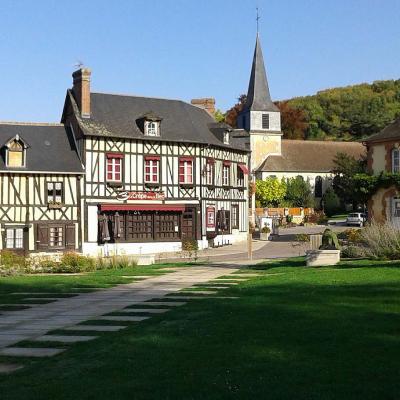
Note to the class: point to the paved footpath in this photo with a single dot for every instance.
(29, 324)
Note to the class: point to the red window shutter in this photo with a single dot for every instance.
(155, 158)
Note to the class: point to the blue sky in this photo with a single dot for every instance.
(192, 48)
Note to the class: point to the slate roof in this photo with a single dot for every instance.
(392, 131)
(310, 156)
(114, 115)
(50, 147)
(258, 96)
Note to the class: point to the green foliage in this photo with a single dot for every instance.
(11, 259)
(329, 240)
(366, 185)
(219, 116)
(265, 229)
(75, 262)
(352, 252)
(302, 237)
(351, 112)
(270, 192)
(331, 202)
(346, 167)
(298, 192)
(190, 245)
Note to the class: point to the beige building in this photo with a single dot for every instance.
(384, 156)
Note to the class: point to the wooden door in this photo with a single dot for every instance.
(188, 224)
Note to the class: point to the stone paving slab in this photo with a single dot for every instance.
(30, 351)
(144, 310)
(122, 318)
(6, 368)
(95, 328)
(64, 338)
(138, 276)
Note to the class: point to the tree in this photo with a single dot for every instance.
(232, 114)
(331, 202)
(298, 192)
(270, 192)
(219, 116)
(346, 167)
(294, 121)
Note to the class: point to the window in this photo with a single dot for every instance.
(209, 172)
(240, 176)
(186, 171)
(54, 192)
(16, 154)
(395, 161)
(226, 170)
(56, 238)
(235, 216)
(14, 238)
(223, 220)
(265, 121)
(114, 167)
(226, 137)
(152, 128)
(152, 169)
(318, 187)
(210, 215)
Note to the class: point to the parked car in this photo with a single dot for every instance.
(356, 219)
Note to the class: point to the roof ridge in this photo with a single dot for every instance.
(322, 141)
(145, 97)
(31, 123)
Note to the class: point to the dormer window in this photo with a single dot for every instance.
(226, 137)
(16, 153)
(152, 128)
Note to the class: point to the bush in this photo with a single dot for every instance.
(74, 262)
(331, 202)
(190, 245)
(10, 259)
(353, 252)
(329, 240)
(317, 217)
(265, 229)
(382, 241)
(352, 235)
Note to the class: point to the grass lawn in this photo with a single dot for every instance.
(294, 333)
(338, 216)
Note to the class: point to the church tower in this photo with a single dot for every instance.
(260, 117)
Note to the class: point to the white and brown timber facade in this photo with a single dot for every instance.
(142, 175)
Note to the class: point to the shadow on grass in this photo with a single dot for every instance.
(280, 340)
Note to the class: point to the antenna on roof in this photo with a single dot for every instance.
(79, 64)
(257, 18)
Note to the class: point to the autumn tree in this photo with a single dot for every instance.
(294, 121)
(232, 114)
(270, 192)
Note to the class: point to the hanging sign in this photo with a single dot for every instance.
(124, 195)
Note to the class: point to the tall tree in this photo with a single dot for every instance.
(294, 121)
(299, 193)
(232, 114)
(270, 192)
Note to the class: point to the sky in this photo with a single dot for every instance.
(184, 49)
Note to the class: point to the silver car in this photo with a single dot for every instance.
(356, 219)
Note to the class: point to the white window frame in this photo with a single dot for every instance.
(148, 176)
(12, 235)
(395, 160)
(112, 161)
(60, 244)
(209, 173)
(184, 178)
(226, 169)
(226, 137)
(152, 128)
(22, 151)
(54, 187)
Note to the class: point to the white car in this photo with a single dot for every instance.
(356, 219)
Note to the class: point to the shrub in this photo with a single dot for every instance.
(331, 202)
(329, 240)
(382, 241)
(73, 262)
(190, 245)
(318, 217)
(121, 262)
(352, 235)
(353, 252)
(265, 229)
(11, 260)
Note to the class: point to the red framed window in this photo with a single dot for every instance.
(114, 167)
(209, 172)
(210, 215)
(186, 170)
(152, 169)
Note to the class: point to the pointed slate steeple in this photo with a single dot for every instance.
(258, 96)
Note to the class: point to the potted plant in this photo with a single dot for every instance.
(327, 254)
(54, 204)
(265, 232)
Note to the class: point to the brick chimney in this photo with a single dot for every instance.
(207, 103)
(81, 90)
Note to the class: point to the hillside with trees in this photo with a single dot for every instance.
(345, 113)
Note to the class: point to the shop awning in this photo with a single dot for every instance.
(142, 207)
(244, 168)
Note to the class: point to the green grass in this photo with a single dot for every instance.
(338, 216)
(294, 333)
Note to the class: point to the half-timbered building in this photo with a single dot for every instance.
(40, 173)
(157, 171)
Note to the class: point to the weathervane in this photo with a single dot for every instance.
(257, 18)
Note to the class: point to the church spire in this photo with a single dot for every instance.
(258, 96)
